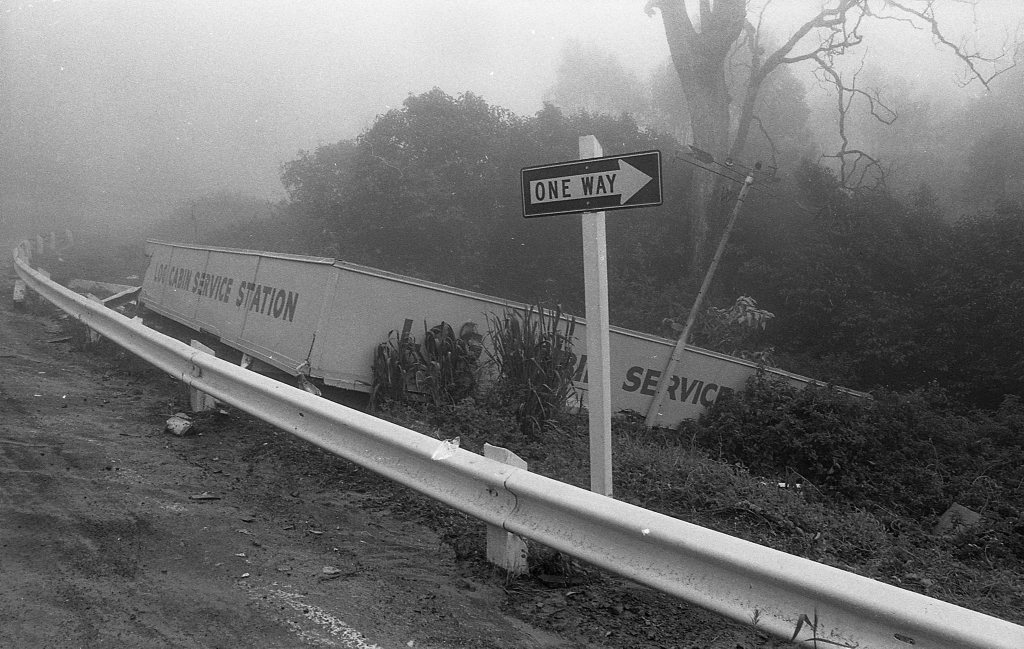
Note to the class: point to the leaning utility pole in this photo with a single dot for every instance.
(654, 412)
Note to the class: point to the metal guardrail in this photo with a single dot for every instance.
(799, 600)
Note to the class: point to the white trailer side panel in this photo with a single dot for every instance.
(221, 312)
(287, 310)
(281, 308)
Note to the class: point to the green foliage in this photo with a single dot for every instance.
(394, 368)
(443, 369)
(871, 292)
(735, 330)
(972, 307)
(316, 181)
(910, 453)
(533, 353)
(664, 471)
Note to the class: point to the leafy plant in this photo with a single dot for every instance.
(734, 330)
(394, 364)
(533, 352)
(449, 363)
(443, 369)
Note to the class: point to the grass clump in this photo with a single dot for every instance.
(673, 473)
(532, 350)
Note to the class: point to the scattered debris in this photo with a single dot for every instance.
(956, 518)
(62, 339)
(561, 581)
(179, 424)
(446, 449)
(307, 385)
(330, 572)
(206, 495)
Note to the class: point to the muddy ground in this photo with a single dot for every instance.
(114, 533)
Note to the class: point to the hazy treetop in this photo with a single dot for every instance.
(128, 106)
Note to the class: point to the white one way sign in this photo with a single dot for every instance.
(594, 184)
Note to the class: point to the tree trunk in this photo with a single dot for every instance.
(699, 59)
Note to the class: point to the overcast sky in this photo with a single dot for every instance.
(131, 106)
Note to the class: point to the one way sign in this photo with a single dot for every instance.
(592, 185)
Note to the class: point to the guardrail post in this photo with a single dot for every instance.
(93, 336)
(19, 294)
(505, 549)
(200, 401)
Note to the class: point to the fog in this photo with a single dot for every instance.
(118, 111)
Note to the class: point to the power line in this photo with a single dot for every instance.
(736, 179)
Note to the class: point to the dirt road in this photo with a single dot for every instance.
(114, 533)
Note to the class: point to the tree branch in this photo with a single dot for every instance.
(972, 59)
(771, 143)
(833, 19)
(854, 164)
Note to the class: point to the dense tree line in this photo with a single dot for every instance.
(432, 189)
(870, 290)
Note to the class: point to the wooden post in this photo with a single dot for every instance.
(599, 387)
(93, 336)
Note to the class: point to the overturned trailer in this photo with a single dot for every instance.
(323, 318)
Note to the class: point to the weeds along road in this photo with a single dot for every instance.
(103, 542)
(114, 533)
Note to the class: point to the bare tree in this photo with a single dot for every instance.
(702, 44)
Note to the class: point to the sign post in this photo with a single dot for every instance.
(589, 187)
(599, 385)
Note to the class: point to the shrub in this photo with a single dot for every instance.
(910, 452)
(533, 353)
